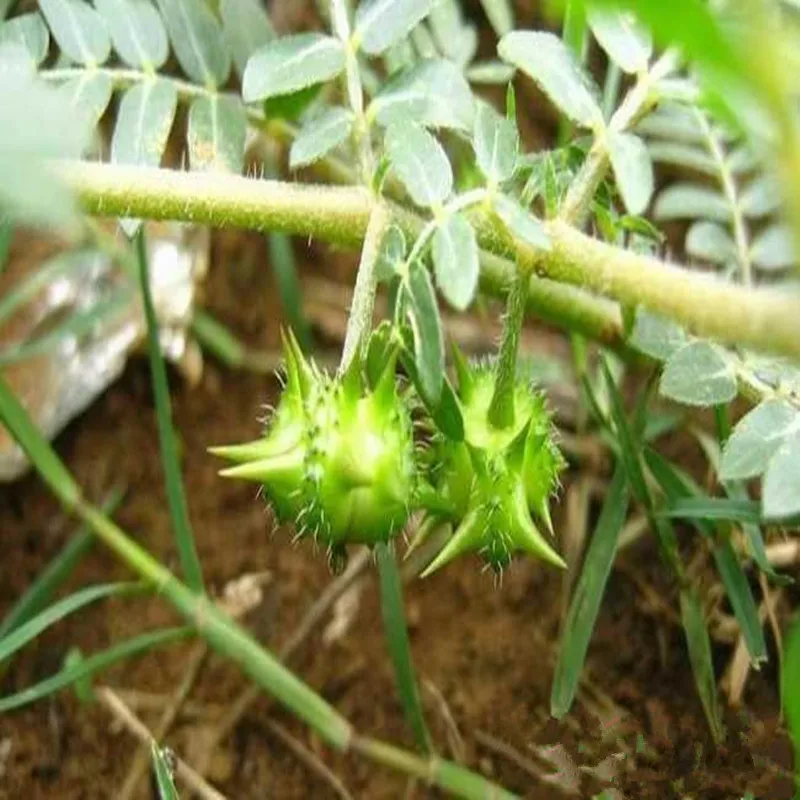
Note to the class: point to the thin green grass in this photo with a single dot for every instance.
(176, 498)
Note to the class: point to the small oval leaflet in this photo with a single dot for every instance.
(380, 23)
(656, 336)
(633, 170)
(496, 144)
(197, 40)
(320, 135)
(433, 93)
(699, 374)
(691, 201)
(78, 29)
(781, 487)
(291, 63)
(628, 44)
(544, 57)
(756, 438)
(216, 134)
(711, 242)
(137, 32)
(30, 31)
(246, 27)
(420, 162)
(455, 260)
(774, 249)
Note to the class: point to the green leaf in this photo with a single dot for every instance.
(394, 624)
(699, 374)
(773, 248)
(432, 93)
(176, 497)
(78, 29)
(29, 630)
(381, 23)
(455, 260)
(88, 96)
(761, 197)
(500, 14)
(197, 40)
(456, 39)
(585, 603)
(144, 119)
(689, 201)
(490, 73)
(164, 782)
(93, 664)
(520, 222)
(545, 58)
(790, 689)
(291, 63)
(496, 144)
(633, 170)
(29, 31)
(682, 155)
(627, 42)
(137, 32)
(246, 28)
(714, 508)
(780, 491)
(291, 107)
(674, 122)
(420, 162)
(656, 336)
(699, 645)
(756, 438)
(216, 133)
(320, 135)
(392, 254)
(423, 316)
(37, 448)
(710, 241)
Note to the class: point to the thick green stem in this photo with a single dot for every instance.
(762, 319)
(501, 409)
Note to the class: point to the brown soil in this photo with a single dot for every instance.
(488, 649)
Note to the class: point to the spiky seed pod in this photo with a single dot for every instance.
(496, 478)
(337, 458)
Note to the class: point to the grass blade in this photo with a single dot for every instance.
(164, 782)
(397, 640)
(585, 604)
(32, 628)
(791, 693)
(281, 258)
(54, 574)
(218, 340)
(713, 509)
(676, 486)
(176, 499)
(83, 668)
(699, 645)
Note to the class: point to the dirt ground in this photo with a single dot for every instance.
(486, 650)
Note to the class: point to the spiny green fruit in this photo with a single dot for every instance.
(496, 478)
(337, 458)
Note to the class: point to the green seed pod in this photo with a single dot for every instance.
(496, 478)
(337, 458)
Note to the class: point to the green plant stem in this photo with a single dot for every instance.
(359, 322)
(763, 319)
(501, 408)
(728, 186)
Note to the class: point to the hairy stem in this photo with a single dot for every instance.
(501, 409)
(763, 319)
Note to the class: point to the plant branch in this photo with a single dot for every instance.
(762, 319)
